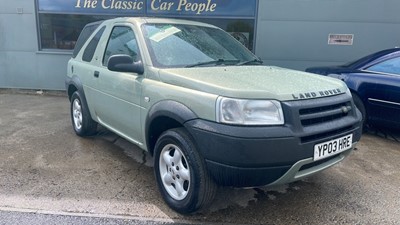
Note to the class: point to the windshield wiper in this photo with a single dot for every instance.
(258, 61)
(214, 62)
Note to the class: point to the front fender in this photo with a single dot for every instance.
(167, 114)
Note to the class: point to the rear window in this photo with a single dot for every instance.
(85, 34)
(91, 47)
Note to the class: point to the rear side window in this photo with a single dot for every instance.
(391, 66)
(85, 34)
(91, 47)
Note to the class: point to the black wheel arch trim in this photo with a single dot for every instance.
(170, 109)
(76, 82)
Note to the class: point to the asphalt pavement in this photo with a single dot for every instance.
(48, 175)
(36, 218)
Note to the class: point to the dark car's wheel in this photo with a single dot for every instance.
(82, 123)
(180, 171)
(360, 105)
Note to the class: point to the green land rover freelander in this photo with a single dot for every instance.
(207, 109)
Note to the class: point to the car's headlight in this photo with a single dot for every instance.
(348, 92)
(249, 112)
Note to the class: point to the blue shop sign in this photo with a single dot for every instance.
(221, 8)
(209, 8)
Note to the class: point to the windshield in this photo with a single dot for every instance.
(178, 45)
(355, 64)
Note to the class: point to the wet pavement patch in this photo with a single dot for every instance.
(45, 166)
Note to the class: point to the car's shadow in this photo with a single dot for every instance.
(383, 132)
(231, 205)
(301, 200)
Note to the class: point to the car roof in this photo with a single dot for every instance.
(366, 60)
(144, 20)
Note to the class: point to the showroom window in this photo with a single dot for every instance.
(61, 21)
(60, 31)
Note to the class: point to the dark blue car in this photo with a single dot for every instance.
(374, 81)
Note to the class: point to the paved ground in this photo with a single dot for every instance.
(32, 218)
(45, 169)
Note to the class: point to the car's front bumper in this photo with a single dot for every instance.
(257, 156)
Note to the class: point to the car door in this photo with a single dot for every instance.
(85, 67)
(387, 75)
(119, 93)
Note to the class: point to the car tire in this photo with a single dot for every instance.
(82, 122)
(181, 174)
(360, 105)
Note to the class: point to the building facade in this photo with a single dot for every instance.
(37, 36)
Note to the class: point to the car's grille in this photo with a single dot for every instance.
(321, 118)
(317, 115)
(322, 135)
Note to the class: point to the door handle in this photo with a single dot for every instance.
(96, 74)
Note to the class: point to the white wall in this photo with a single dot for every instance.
(21, 64)
(294, 33)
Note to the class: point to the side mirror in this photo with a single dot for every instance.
(124, 63)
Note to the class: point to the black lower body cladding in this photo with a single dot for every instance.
(256, 156)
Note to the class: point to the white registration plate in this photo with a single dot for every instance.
(333, 147)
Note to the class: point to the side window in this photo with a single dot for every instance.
(91, 47)
(122, 41)
(391, 66)
(85, 34)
